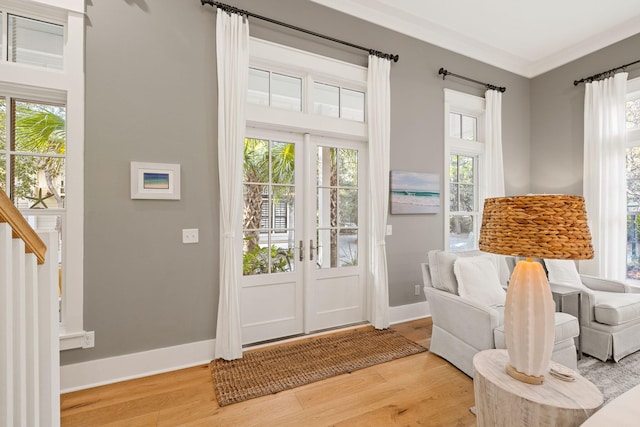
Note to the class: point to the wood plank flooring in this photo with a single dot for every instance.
(419, 390)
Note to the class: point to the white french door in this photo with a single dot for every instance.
(304, 242)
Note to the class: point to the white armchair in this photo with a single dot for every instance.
(610, 323)
(462, 327)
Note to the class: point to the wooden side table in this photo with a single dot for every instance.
(504, 401)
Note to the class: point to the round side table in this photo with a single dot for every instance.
(504, 401)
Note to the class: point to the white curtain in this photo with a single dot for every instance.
(494, 168)
(379, 118)
(604, 175)
(232, 47)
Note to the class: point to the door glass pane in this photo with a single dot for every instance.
(35, 42)
(326, 100)
(455, 121)
(348, 208)
(256, 156)
(347, 167)
(258, 87)
(352, 105)
(286, 92)
(461, 236)
(348, 248)
(282, 162)
(327, 248)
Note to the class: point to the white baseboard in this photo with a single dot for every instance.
(93, 373)
(405, 313)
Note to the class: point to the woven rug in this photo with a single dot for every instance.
(274, 369)
(610, 377)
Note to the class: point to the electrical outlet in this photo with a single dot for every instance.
(416, 291)
(89, 340)
(190, 235)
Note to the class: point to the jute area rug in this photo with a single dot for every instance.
(274, 369)
(610, 377)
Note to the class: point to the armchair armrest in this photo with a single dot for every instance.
(599, 284)
(467, 320)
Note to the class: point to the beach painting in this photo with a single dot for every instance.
(414, 192)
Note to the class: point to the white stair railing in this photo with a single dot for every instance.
(29, 346)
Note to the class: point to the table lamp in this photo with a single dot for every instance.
(535, 226)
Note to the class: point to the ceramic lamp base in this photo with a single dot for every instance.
(529, 379)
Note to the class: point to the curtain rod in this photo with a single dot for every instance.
(446, 73)
(604, 74)
(231, 9)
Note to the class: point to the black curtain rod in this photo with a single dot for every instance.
(446, 73)
(231, 9)
(607, 73)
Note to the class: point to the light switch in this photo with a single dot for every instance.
(389, 230)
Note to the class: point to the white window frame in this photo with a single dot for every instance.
(462, 103)
(289, 61)
(63, 86)
(632, 138)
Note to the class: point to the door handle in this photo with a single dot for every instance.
(311, 249)
(302, 250)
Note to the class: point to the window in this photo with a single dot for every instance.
(464, 151)
(303, 82)
(41, 141)
(633, 179)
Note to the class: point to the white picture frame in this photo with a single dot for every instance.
(160, 181)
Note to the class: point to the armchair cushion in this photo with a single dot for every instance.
(613, 308)
(478, 280)
(564, 272)
(566, 328)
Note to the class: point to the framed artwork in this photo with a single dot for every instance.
(155, 181)
(414, 192)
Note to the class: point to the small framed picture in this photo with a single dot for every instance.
(155, 181)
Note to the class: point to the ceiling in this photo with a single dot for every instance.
(526, 37)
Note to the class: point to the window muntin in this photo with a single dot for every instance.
(35, 42)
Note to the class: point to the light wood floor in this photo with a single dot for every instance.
(419, 390)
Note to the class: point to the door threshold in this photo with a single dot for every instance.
(298, 337)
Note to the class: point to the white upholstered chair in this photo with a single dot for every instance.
(463, 326)
(610, 323)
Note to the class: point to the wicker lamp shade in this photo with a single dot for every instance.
(536, 226)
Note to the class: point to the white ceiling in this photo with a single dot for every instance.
(527, 37)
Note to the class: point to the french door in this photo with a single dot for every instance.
(304, 240)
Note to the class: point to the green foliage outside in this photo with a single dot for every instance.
(39, 129)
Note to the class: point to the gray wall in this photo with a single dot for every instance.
(557, 117)
(151, 96)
